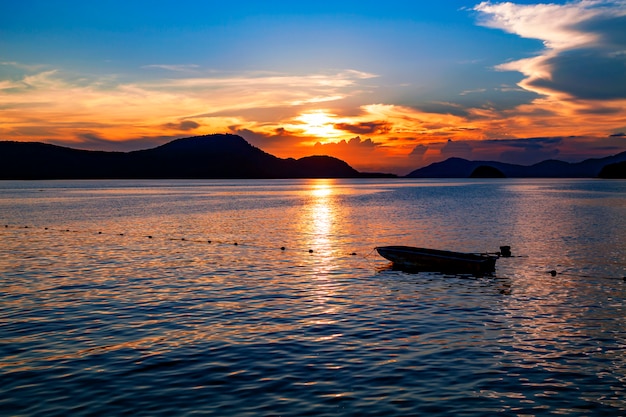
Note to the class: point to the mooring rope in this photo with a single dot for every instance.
(206, 241)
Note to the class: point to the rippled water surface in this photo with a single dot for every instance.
(249, 298)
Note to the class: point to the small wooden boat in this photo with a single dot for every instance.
(423, 259)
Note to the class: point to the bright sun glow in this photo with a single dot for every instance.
(319, 123)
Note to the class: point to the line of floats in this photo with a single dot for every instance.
(405, 258)
(179, 239)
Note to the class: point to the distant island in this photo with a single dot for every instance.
(614, 171)
(609, 167)
(231, 156)
(210, 156)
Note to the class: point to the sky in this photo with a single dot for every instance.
(386, 86)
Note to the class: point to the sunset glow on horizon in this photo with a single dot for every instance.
(385, 90)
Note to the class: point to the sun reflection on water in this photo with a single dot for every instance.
(319, 223)
(322, 188)
(319, 216)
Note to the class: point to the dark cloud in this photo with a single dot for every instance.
(257, 139)
(527, 143)
(528, 156)
(362, 154)
(585, 74)
(600, 109)
(526, 151)
(262, 140)
(184, 125)
(602, 151)
(618, 135)
(609, 29)
(91, 140)
(597, 72)
(459, 149)
(418, 151)
(417, 155)
(281, 142)
(365, 128)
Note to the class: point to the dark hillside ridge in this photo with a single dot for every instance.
(462, 168)
(211, 156)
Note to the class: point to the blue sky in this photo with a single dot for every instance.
(383, 85)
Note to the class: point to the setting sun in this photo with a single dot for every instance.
(320, 124)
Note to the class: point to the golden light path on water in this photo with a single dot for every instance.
(322, 212)
(319, 221)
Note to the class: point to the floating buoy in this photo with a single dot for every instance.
(235, 243)
(282, 248)
(353, 254)
(149, 237)
(121, 234)
(45, 228)
(208, 241)
(310, 250)
(553, 273)
(99, 233)
(183, 239)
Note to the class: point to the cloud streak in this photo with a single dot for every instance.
(60, 104)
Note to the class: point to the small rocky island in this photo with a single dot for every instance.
(487, 171)
(614, 171)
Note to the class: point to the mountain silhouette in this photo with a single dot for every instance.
(210, 156)
(462, 168)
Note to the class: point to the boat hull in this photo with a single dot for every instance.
(423, 259)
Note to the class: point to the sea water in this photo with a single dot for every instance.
(267, 298)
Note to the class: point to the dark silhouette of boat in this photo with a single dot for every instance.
(423, 259)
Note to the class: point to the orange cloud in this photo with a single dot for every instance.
(58, 106)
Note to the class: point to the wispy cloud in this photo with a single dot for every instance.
(189, 68)
(58, 99)
(475, 91)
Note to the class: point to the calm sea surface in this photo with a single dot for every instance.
(175, 298)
